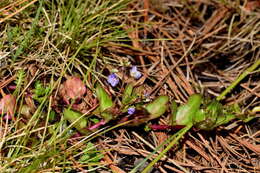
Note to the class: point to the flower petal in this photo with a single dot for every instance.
(135, 73)
(131, 111)
(113, 80)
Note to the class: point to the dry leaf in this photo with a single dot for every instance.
(7, 105)
(73, 88)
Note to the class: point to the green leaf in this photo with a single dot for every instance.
(97, 158)
(129, 96)
(128, 91)
(40, 91)
(107, 116)
(157, 107)
(84, 158)
(185, 113)
(91, 154)
(174, 108)
(79, 122)
(20, 81)
(94, 120)
(104, 99)
(206, 119)
(199, 116)
(52, 116)
(224, 119)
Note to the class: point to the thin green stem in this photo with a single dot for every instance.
(241, 77)
(179, 135)
(134, 170)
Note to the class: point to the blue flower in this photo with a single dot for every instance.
(135, 73)
(113, 80)
(131, 111)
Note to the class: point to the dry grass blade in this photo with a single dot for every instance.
(17, 11)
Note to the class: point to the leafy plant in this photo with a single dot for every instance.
(20, 78)
(205, 117)
(39, 91)
(91, 154)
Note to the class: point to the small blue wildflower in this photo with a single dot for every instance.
(131, 111)
(135, 73)
(113, 80)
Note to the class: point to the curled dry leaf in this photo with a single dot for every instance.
(7, 105)
(72, 88)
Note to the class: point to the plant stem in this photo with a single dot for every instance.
(134, 170)
(179, 135)
(241, 77)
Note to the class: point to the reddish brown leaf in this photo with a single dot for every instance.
(73, 88)
(7, 105)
